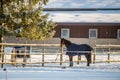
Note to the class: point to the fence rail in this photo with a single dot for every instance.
(108, 46)
(58, 57)
(14, 44)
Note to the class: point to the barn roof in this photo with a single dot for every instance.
(79, 16)
(83, 16)
(83, 4)
(86, 23)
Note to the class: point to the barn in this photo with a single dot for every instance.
(88, 30)
(79, 25)
(102, 33)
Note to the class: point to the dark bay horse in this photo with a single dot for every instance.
(77, 49)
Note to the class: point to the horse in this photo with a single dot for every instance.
(77, 49)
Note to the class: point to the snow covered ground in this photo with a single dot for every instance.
(96, 71)
(52, 71)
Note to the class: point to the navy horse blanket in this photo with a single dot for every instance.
(78, 49)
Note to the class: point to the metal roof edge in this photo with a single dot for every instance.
(79, 9)
(87, 23)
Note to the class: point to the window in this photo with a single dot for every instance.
(65, 33)
(93, 33)
(118, 34)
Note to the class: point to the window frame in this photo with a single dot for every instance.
(118, 33)
(68, 33)
(96, 32)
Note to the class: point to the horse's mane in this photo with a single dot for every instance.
(67, 42)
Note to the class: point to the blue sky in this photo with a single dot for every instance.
(84, 16)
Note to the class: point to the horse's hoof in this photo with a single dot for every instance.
(70, 66)
(4, 69)
(63, 67)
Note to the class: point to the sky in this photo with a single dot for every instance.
(84, 16)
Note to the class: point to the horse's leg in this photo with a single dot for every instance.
(71, 60)
(87, 57)
(79, 58)
(90, 57)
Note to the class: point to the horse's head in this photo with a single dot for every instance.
(62, 42)
(65, 42)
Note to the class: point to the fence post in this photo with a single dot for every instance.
(2, 53)
(25, 56)
(79, 59)
(43, 54)
(61, 56)
(94, 55)
(13, 57)
(109, 52)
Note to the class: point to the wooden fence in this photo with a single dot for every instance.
(108, 52)
(59, 56)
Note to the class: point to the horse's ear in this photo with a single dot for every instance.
(61, 38)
